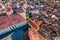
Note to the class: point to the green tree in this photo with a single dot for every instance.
(39, 17)
(36, 3)
(25, 29)
(30, 15)
(50, 25)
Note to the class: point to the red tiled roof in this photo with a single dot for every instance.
(34, 11)
(58, 31)
(35, 26)
(42, 33)
(46, 28)
(44, 12)
(11, 20)
(19, 10)
(34, 36)
(3, 17)
(57, 38)
(39, 22)
(55, 27)
(0, 9)
(9, 11)
(55, 10)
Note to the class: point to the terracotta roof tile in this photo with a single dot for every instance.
(11, 20)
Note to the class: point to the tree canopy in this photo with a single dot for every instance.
(30, 15)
